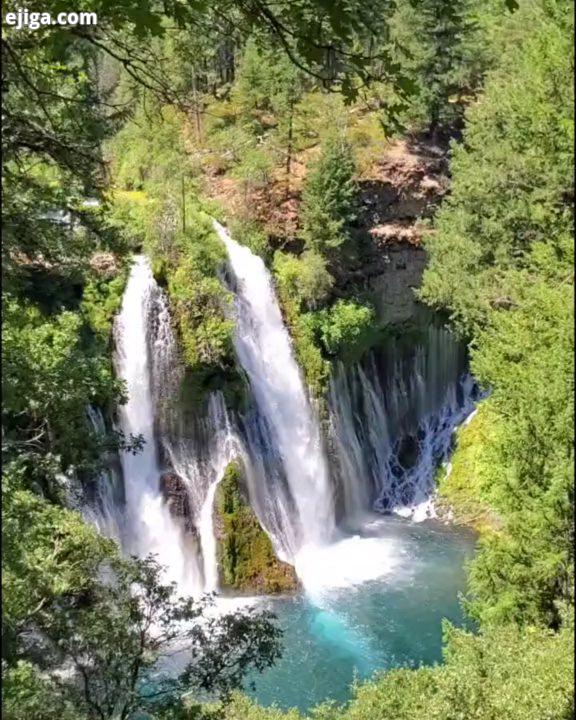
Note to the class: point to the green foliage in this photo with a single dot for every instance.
(149, 150)
(501, 261)
(504, 674)
(303, 280)
(47, 553)
(248, 232)
(26, 693)
(254, 170)
(309, 354)
(251, 90)
(441, 48)
(109, 635)
(512, 176)
(527, 354)
(246, 557)
(345, 329)
(473, 474)
(101, 300)
(180, 240)
(52, 164)
(243, 708)
(51, 374)
(199, 300)
(296, 286)
(329, 199)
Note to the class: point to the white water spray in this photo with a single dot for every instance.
(265, 352)
(150, 526)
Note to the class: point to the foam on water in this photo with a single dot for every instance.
(345, 563)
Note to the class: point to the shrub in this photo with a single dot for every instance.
(303, 279)
(345, 329)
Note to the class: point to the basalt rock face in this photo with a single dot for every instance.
(407, 185)
(176, 496)
(246, 558)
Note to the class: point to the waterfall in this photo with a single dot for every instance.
(150, 526)
(197, 442)
(104, 508)
(286, 419)
(392, 420)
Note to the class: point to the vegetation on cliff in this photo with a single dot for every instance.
(246, 558)
(155, 202)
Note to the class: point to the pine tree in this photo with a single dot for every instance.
(439, 47)
(286, 87)
(329, 199)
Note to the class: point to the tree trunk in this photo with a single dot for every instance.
(289, 148)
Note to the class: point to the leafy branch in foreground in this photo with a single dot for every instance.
(126, 643)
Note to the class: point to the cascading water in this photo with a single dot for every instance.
(196, 443)
(150, 526)
(391, 418)
(286, 420)
(392, 422)
(104, 509)
(282, 429)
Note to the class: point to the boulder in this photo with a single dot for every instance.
(105, 265)
(246, 558)
(176, 496)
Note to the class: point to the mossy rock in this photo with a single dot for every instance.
(246, 558)
(466, 489)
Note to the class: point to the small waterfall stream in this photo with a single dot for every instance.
(105, 507)
(392, 419)
(150, 526)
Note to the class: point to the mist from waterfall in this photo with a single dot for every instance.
(286, 419)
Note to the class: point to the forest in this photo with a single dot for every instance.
(303, 129)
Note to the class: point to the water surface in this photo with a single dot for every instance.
(352, 631)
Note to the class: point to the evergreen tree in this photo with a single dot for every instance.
(501, 261)
(439, 47)
(329, 199)
(286, 86)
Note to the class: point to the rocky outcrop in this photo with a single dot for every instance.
(176, 496)
(105, 265)
(404, 188)
(392, 288)
(246, 558)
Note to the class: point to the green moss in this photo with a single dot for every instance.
(245, 554)
(466, 488)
